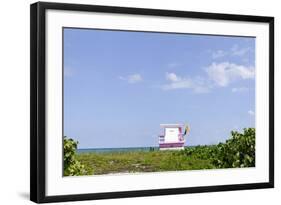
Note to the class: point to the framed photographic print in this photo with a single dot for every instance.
(129, 102)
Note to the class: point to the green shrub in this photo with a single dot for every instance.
(205, 152)
(238, 151)
(72, 166)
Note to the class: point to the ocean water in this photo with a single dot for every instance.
(126, 149)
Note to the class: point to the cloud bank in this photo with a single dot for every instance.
(132, 79)
(216, 75)
(224, 73)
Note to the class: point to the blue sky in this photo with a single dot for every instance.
(119, 86)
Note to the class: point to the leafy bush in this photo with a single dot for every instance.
(201, 152)
(72, 166)
(238, 151)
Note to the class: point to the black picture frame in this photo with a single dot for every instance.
(38, 100)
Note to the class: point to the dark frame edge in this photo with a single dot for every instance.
(33, 103)
(271, 102)
(37, 102)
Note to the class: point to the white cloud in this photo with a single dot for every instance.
(251, 112)
(224, 73)
(134, 78)
(216, 75)
(239, 90)
(176, 82)
(172, 77)
(237, 51)
(218, 54)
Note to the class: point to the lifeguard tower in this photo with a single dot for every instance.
(173, 136)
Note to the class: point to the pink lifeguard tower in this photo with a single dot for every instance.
(173, 137)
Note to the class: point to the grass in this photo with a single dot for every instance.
(141, 161)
